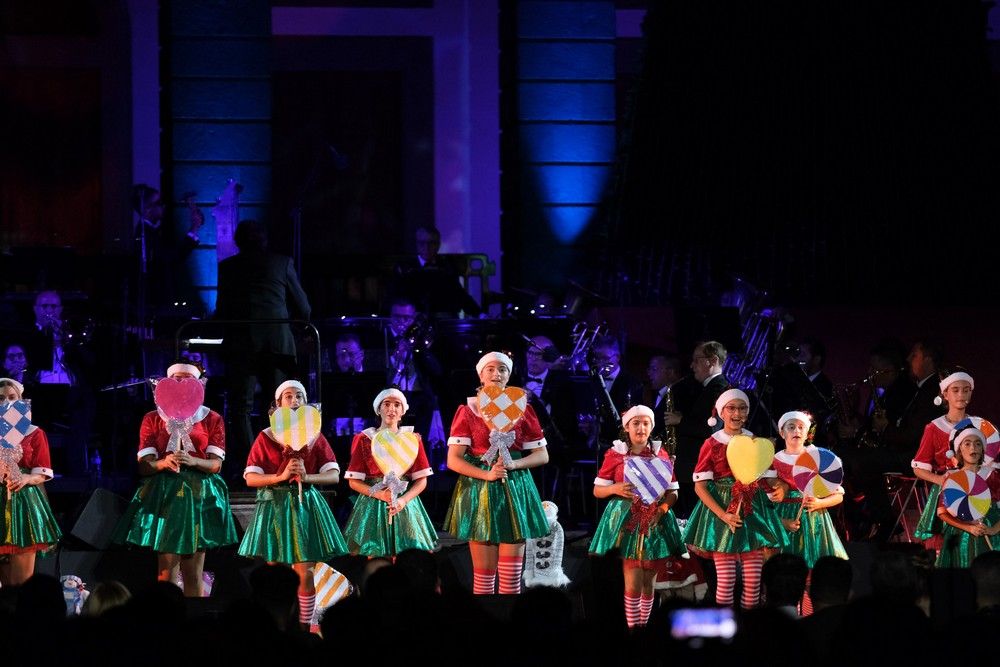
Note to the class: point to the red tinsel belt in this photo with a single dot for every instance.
(641, 516)
(742, 497)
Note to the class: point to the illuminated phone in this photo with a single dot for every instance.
(714, 622)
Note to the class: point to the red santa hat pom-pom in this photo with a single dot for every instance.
(938, 400)
(713, 420)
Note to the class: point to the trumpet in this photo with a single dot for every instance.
(418, 337)
(583, 338)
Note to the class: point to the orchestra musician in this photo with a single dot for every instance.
(161, 252)
(666, 375)
(692, 427)
(411, 366)
(623, 389)
(64, 366)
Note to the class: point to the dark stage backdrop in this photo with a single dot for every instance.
(831, 153)
(50, 158)
(353, 136)
(337, 151)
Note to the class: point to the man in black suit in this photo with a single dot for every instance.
(812, 358)
(624, 389)
(693, 428)
(891, 391)
(162, 251)
(256, 284)
(63, 369)
(799, 383)
(430, 281)
(902, 436)
(900, 433)
(550, 394)
(549, 383)
(666, 373)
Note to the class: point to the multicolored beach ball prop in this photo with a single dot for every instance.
(966, 495)
(818, 472)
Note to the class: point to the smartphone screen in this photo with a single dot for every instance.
(707, 622)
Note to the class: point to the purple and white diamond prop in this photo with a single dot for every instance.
(15, 420)
(649, 475)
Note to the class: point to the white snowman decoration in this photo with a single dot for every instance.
(543, 555)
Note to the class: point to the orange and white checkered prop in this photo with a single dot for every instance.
(502, 408)
(395, 452)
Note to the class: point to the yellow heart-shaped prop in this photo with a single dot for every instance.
(394, 452)
(296, 428)
(502, 408)
(749, 457)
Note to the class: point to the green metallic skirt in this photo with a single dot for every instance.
(959, 548)
(762, 528)
(662, 541)
(178, 513)
(284, 530)
(816, 535)
(495, 512)
(28, 522)
(369, 532)
(930, 524)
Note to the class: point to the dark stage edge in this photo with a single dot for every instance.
(595, 590)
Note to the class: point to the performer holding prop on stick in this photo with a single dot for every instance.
(937, 455)
(389, 468)
(639, 479)
(28, 524)
(181, 508)
(292, 522)
(495, 505)
(734, 520)
(968, 499)
(814, 476)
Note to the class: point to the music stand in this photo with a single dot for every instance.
(348, 396)
(347, 408)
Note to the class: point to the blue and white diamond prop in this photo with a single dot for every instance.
(15, 420)
(649, 475)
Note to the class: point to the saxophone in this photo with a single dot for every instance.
(671, 439)
(870, 438)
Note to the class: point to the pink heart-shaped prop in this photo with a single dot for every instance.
(179, 398)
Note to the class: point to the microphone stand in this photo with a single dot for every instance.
(609, 404)
(615, 419)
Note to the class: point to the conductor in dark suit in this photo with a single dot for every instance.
(256, 284)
